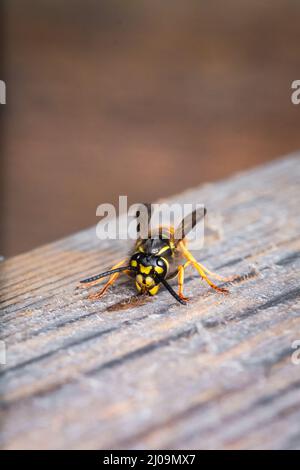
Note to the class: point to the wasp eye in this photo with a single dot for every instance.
(160, 263)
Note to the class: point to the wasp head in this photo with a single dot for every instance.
(148, 269)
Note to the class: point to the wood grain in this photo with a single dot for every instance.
(121, 374)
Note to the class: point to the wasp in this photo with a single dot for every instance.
(157, 259)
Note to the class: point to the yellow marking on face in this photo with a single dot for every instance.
(133, 263)
(159, 269)
(138, 286)
(149, 281)
(154, 290)
(145, 269)
(139, 279)
(141, 249)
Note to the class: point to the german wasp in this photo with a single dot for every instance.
(157, 259)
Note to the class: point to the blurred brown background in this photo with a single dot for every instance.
(137, 97)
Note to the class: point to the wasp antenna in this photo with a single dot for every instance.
(105, 274)
(171, 290)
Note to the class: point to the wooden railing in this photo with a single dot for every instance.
(219, 373)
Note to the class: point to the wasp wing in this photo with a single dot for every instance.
(188, 223)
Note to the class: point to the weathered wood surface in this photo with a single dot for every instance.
(215, 374)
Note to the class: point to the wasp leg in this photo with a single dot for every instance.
(214, 275)
(110, 281)
(181, 269)
(94, 280)
(100, 294)
(199, 268)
